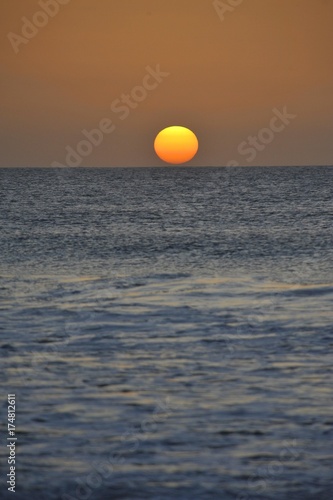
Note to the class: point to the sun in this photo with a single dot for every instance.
(176, 145)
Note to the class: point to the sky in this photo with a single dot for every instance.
(252, 78)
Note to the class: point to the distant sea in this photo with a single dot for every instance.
(168, 332)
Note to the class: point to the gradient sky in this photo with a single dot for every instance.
(225, 78)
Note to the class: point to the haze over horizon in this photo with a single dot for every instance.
(132, 68)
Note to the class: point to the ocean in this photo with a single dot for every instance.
(167, 332)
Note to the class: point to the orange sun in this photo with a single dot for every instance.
(176, 145)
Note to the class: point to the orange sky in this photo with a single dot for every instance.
(224, 79)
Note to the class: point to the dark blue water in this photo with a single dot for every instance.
(168, 332)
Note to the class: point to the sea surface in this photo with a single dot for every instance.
(168, 332)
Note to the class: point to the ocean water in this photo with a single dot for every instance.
(168, 332)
